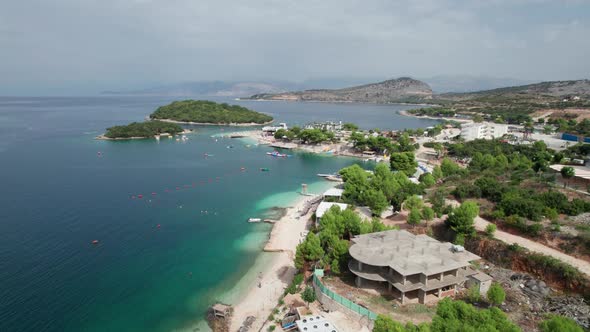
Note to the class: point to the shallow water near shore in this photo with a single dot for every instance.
(162, 259)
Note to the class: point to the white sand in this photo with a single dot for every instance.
(260, 301)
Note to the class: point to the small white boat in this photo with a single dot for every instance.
(322, 175)
(254, 220)
(277, 154)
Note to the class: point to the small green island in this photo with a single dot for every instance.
(209, 112)
(137, 130)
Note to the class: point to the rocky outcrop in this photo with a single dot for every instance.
(402, 89)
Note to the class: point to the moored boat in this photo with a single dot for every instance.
(276, 154)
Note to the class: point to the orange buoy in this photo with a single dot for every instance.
(140, 196)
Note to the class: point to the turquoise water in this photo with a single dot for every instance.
(59, 194)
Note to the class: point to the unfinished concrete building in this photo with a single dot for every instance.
(416, 268)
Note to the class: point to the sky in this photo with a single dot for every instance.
(70, 47)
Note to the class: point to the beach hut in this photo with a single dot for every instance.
(333, 194)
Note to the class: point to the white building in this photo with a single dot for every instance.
(272, 129)
(484, 130)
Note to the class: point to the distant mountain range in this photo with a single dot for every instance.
(443, 84)
(554, 89)
(361, 90)
(399, 89)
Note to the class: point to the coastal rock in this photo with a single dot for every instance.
(247, 324)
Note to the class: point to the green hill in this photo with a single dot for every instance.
(143, 129)
(512, 104)
(203, 111)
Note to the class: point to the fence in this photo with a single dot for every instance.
(343, 301)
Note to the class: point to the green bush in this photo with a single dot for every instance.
(298, 279)
(490, 229)
(496, 294)
(291, 289)
(308, 295)
(414, 217)
(466, 190)
(473, 294)
(427, 213)
(559, 323)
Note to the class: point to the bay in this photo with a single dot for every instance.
(61, 189)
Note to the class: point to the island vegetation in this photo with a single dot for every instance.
(307, 136)
(209, 112)
(145, 129)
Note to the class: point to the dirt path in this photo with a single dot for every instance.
(583, 266)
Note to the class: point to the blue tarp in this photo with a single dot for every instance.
(569, 137)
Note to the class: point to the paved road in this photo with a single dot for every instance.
(583, 266)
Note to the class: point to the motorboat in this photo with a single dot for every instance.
(277, 154)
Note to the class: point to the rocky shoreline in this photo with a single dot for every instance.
(105, 138)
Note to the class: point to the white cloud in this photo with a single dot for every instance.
(129, 42)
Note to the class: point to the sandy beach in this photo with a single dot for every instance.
(263, 296)
(342, 149)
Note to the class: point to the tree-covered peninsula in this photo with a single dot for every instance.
(209, 112)
(142, 130)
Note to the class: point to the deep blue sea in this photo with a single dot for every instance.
(161, 259)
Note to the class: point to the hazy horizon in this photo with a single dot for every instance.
(83, 47)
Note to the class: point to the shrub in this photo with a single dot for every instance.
(473, 295)
(460, 316)
(551, 214)
(298, 279)
(496, 294)
(459, 239)
(463, 191)
(518, 204)
(427, 213)
(427, 179)
(461, 220)
(414, 217)
(490, 229)
(559, 323)
(308, 295)
(292, 289)
(413, 202)
(272, 328)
